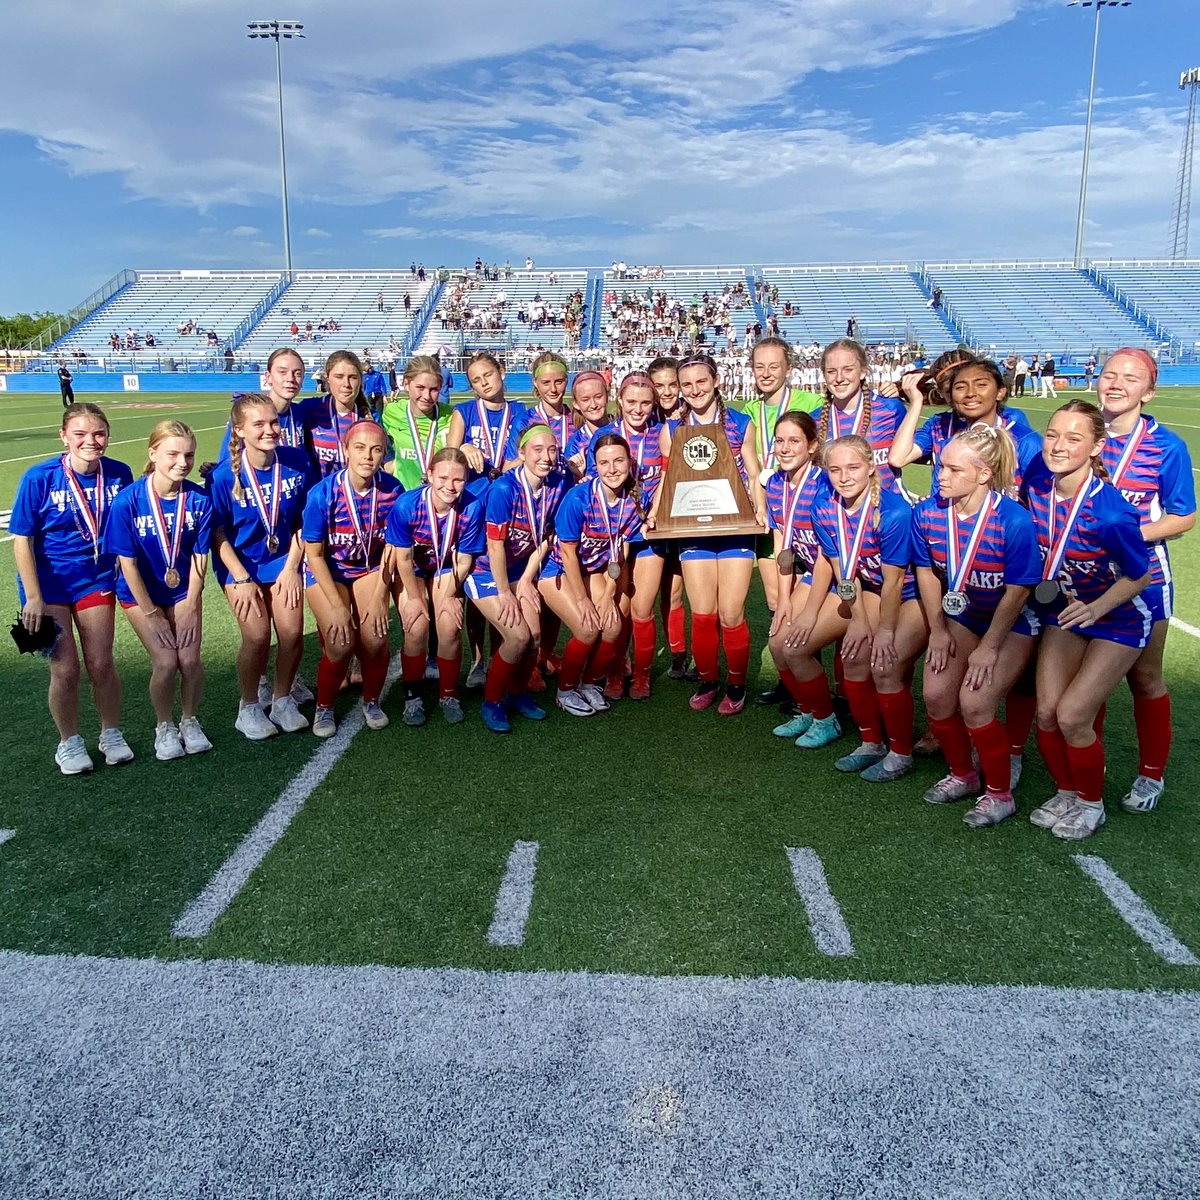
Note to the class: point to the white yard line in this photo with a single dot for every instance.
(200, 916)
(7, 835)
(515, 896)
(824, 913)
(1185, 627)
(1135, 912)
(123, 442)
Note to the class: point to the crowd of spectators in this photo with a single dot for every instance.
(652, 318)
(461, 311)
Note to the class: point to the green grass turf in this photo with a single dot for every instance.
(662, 832)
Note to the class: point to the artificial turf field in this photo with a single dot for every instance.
(662, 833)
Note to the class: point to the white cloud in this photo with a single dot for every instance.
(314, 232)
(244, 231)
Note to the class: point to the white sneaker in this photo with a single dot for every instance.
(253, 722)
(477, 675)
(1144, 795)
(1016, 763)
(167, 742)
(72, 756)
(1081, 822)
(452, 710)
(951, 788)
(374, 716)
(264, 693)
(114, 747)
(572, 702)
(287, 716)
(194, 741)
(594, 697)
(1049, 814)
(990, 809)
(301, 692)
(324, 726)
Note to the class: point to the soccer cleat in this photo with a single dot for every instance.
(323, 725)
(376, 718)
(72, 756)
(265, 694)
(1143, 796)
(168, 744)
(990, 809)
(927, 745)
(525, 706)
(494, 717)
(1047, 815)
(414, 712)
(639, 688)
(301, 693)
(705, 696)
(477, 675)
(287, 716)
(253, 722)
(551, 665)
(452, 710)
(537, 681)
(776, 695)
(193, 737)
(573, 703)
(431, 668)
(867, 755)
(678, 668)
(114, 747)
(1081, 822)
(821, 732)
(734, 701)
(794, 727)
(614, 688)
(890, 768)
(593, 697)
(951, 788)
(1016, 763)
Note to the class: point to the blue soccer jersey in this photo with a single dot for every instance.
(353, 540)
(887, 538)
(932, 437)
(65, 515)
(496, 433)
(596, 525)
(247, 526)
(791, 512)
(886, 416)
(561, 426)
(291, 426)
(647, 455)
(1007, 554)
(410, 527)
(1105, 543)
(140, 529)
(509, 519)
(325, 428)
(737, 429)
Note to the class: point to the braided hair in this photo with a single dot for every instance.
(855, 348)
(238, 413)
(861, 447)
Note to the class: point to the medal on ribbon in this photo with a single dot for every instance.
(536, 509)
(362, 535)
(614, 541)
(785, 560)
(850, 549)
(269, 519)
(958, 567)
(441, 536)
(423, 455)
(169, 547)
(93, 519)
(493, 450)
(1056, 549)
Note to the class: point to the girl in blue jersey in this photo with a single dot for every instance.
(160, 529)
(66, 575)
(852, 408)
(1151, 468)
(521, 506)
(1096, 625)
(434, 535)
(284, 378)
(345, 516)
(976, 391)
(976, 557)
(865, 532)
(327, 419)
(258, 501)
(586, 578)
(716, 571)
(589, 403)
(793, 492)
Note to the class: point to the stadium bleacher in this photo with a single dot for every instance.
(1168, 292)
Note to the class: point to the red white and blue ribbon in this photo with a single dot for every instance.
(791, 501)
(168, 547)
(362, 536)
(271, 519)
(93, 519)
(441, 534)
(535, 508)
(494, 450)
(849, 551)
(958, 567)
(423, 456)
(1057, 549)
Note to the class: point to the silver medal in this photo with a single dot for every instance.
(1046, 592)
(614, 570)
(847, 589)
(272, 544)
(954, 604)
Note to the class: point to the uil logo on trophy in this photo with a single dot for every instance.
(700, 453)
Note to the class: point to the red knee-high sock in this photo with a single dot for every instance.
(374, 672)
(991, 742)
(605, 659)
(864, 707)
(522, 671)
(499, 679)
(574, 659)
(951, 734)
(1019, 710)
(675, 630)
(1098, 723)
(412, 667)
(897, 710)
(1152, 716)
(447, 677)
(812, 695)
(705, 645)
(645, 634)
(792, 684)
(614, 660)
(330, 676)
(736, 639)
(1087, 769)
(1053, 746)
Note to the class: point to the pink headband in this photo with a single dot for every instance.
(635, 379)
(1147, 360)
(587, 377)
(364, 421)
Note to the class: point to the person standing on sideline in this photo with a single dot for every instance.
(64, 385)
(1021, 373)
(1048, 378)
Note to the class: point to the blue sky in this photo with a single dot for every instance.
(142, 134)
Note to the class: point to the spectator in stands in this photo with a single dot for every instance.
(64, 385)
(1048, 378)
(294, 329)
(213, 340)
(528, 263)
(150, 342)
(936, 302)
(421, 272)
(228, 358)
(408, 302)
(379, 301)
(412, 268)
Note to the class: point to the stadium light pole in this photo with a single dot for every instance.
(1099, 6)
(277, 31)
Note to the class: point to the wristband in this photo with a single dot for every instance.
(237, 582)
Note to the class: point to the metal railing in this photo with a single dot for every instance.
(259, 311)
(100, 297)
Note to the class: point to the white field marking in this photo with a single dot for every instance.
(123, 442)
(7, 835)
(824, 914)
(1135, 912)
(515, 896)
(112, 420)
(1185, 627)
(200, 916)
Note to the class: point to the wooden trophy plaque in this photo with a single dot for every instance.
(702, 494)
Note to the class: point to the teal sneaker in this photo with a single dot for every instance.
(893, 766)
(794, 726)
(820, 733)
(867, 755)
